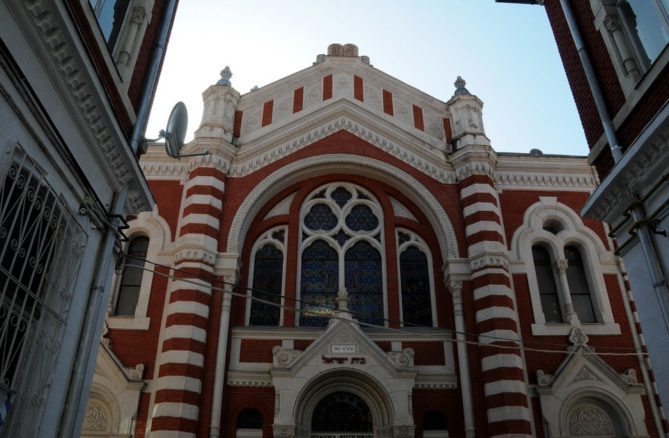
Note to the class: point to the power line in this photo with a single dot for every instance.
(519, 344)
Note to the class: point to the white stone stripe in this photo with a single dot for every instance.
(478, 188)
(194, 265)
(486, 246)
(492, 290)
(191, 307)
(200, 219)
(489, 271)
(480, 226)
(495, 312)
(185, 332)
(181, 383)
(203, 200)
(508, 413)
(498, 336)
(504, 386)
(182, 356)
(207, 181)
(198, 240)
(173, 434)
(501, 361)
(179, 410)
(190, 285)
(479, 207)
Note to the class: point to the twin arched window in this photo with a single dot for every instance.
(341, 245)
(563, 285)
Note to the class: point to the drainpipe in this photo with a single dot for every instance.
(463, 361)
(136, 141)
(637, 211)
(90, 335)
(221, 352)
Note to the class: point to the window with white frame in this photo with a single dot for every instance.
(416, 290)
(131, 278)
(647, 25)
(110, 15)
(267, 278)
(565, 263)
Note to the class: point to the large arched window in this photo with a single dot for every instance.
(131, 279)
(543, 267)
(341, 234)
(267, 278)
(415, 282)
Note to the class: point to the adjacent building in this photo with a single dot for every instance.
(76, 82)
(353, 258)
(616, 58)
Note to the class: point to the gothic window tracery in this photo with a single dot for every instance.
(267, 279)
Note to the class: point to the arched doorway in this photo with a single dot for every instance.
(342, 414)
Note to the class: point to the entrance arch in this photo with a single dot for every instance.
(342, 413)
(363, 395)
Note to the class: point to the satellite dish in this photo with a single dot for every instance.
(175, 132)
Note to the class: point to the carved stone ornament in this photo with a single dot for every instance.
(544, 379)
(135, 373)
(283, 430)
(612, 23)
(226, 74)
(630, 376)
(590, 420)
(405, 431)
(137, 15)
(585, 374)
(283, 357)
(561, 265)
(402, 358)
(96, 419)
(577, 337)
(460, 89)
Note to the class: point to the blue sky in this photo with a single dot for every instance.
(506, 53)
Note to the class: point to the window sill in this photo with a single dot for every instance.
(128, 322)
(606, 328)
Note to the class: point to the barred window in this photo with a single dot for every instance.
(41, 245)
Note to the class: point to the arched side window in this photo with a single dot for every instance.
(267, 279)
(415, 281)
(543, 268)
(249, 424)
(578, 285)
(131, 279)
(566, 263)
(341, 247)
(435, 425)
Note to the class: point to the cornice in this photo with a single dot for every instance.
(45, 24)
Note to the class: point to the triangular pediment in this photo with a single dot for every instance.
(343, 345)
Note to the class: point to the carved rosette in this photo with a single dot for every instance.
(590, 421)
(402, 358)
(283, 357)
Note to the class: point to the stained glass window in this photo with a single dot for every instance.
(341, 412)
(131, 280)
(548, 292)
(578, 285)
(364, 283)
(267, 282)
(319, 283)
(320, 217)
(415, 279)
(341, 196)
(361, 218)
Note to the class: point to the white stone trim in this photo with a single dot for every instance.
(182, 356)
(487, 246)
(203, 200)
(181, 383)
(178, 410)
(205, 181)
(492, 289)
(607, 328)
(498, 336)
(496, 312)
(479, 207)
(477, 227)
(128, 322)
(172, 434)
(179, 284)
(191, 307)
(200, 219)
(477, 189)
(507, 413)
(185, 332)
(504, 386)
(501, 361)
(490, 271)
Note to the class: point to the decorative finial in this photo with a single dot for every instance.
(342, 300)
(226, 74)
(460, 89)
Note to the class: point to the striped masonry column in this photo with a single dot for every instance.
(506, 398)
(181, 360)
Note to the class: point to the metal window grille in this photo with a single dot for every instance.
(41, 245)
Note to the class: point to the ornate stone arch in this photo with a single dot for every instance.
(357, 383)
(594, 413)
(103, 414)
(312, 166)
